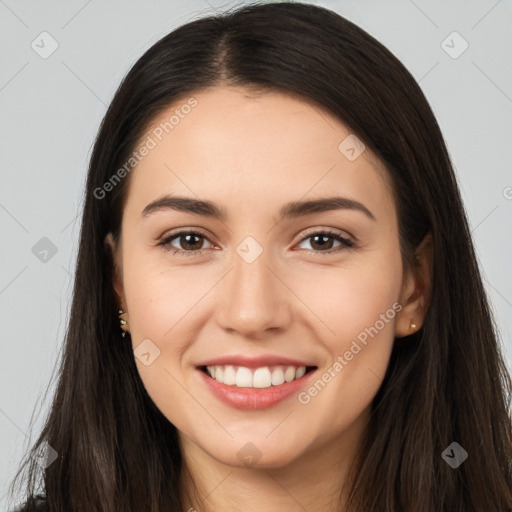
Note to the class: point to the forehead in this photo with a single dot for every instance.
(239, 146)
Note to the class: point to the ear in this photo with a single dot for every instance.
(117, 280)
(416, 290)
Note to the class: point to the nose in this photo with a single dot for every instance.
(254, 299)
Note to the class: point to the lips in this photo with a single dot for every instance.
(255, 362)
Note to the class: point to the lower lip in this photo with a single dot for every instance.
(254, 398)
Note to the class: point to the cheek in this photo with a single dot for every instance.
(161, 302)
(166, 306)
(349, 298)
(159, 295)
(358, 308)
(355, 310)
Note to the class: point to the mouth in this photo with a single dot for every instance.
(254, 388)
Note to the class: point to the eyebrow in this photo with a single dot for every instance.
(290, 210)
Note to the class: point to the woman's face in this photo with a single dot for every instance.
(268, 286)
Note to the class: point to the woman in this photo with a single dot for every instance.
(277, 302)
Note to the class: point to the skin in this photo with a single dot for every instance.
(251, 154)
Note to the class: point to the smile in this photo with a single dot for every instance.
(254, 388)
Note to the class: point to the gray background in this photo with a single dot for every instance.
(51, 109)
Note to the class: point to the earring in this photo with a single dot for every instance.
(122, 323)
(412, 326)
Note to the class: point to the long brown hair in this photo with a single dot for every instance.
(446, 383)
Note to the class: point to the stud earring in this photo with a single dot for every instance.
(122, 323)
(412, 326)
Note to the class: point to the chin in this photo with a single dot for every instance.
(248, 454)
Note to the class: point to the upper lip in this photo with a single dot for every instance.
(254, 362)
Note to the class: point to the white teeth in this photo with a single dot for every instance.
(229, 376)
(262, 377)
(243, 378)
(277, 376)
(289, 374)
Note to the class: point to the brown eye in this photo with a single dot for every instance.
(322, 241)
(191, 242)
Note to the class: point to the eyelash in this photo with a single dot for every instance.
(331, 234)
